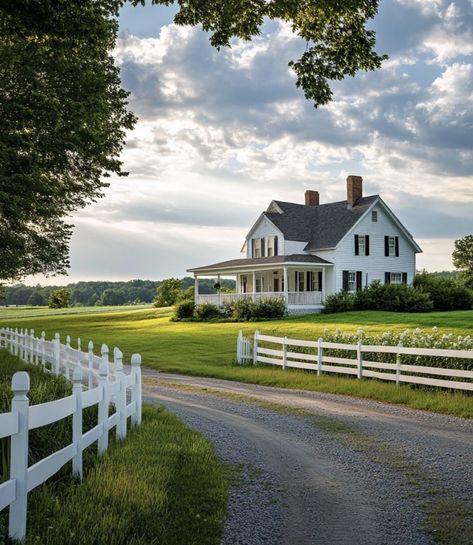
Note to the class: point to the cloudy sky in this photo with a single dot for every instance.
(221, 134)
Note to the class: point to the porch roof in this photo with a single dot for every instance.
(262, 262)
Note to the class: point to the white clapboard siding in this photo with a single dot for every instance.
(106, 385)
(399, 372)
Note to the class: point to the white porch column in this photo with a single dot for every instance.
(254, 285)
(218, 291)
(196, 289)
(286, 284)
(237, 282)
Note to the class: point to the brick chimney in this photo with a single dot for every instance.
(311, 198)
(354, 189)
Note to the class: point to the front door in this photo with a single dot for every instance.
(276, 285)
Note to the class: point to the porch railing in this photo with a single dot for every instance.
(293, 297)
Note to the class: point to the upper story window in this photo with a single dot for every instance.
(362, 245)
(272, 246)
(264, 247)
(374, 216)
(391, 246)
(257, 247)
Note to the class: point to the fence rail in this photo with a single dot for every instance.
(96, 381)
(315, 358)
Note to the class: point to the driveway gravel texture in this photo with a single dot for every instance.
(315, 468)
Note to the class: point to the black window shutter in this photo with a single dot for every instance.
(359, 280)
(387, 278)
(296, 282)
(357, 245)
(262, 247)
(252, 247)
(367, 245)
(386, 246)
(275, 245)
(308, 281)
(404, 278)
(397, 246)
(320, 281)
(345, 280)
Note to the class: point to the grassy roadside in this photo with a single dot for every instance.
(207, 349)
(163, 485)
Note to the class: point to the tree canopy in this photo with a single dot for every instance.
(463, 259)
(64, 114)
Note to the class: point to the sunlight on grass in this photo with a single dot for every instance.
(208, 349)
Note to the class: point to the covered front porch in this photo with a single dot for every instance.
(299, 280)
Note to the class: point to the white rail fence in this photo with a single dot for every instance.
(315, 358)
(105, 384)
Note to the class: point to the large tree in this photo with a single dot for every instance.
(463, 259)
(64, 114)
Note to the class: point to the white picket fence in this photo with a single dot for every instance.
(288, 356)
(96, 381)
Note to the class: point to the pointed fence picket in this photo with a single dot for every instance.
(314, 357)
(96, 381)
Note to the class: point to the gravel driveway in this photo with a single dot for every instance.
(358, 472)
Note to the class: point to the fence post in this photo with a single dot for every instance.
(16, 350)
(103, 405)
(398, 364)
(57, 353)
(32, 346)
(67, 357)
(284, 353)
(239, 346)
(19, 456)
(43, 349)
(136, 390)
(90, 361)
(255, 348)
(319, 356)
(77, 421)
(359, 356)
(36, 350)
(120, 403)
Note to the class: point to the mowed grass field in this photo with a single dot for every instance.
(208, 349)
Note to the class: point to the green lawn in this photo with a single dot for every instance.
(209, 348)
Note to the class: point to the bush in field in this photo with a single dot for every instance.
(184, 310)
(60, 298)
(341, 301)
(392, 297)
(207, 312)
(446, 293)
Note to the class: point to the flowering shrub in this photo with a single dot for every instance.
(418, 338)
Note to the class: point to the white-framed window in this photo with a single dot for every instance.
(374, 216)
(299, 278)
(259, 284)
(396, 278)
(391, 246)
(362, 245)
(351, 281)
(257, 247)
(270, 246)
(313, 281)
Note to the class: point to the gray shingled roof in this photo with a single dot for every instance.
(321, 226)
(278, 259)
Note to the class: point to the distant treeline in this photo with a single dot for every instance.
(102, 293)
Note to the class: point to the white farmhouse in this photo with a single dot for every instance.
(304, 252)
